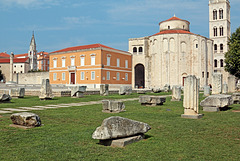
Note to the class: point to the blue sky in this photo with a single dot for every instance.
(64, 23)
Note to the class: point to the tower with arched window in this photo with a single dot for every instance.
(219, 32)
(32, 54)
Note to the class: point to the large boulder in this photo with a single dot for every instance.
(214, 102)
(110, 106)
(125, 90)
(119, 127)
(5, 98)
(26, 119)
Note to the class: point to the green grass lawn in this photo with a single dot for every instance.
(66, 134)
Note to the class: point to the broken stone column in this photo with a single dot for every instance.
(214, 103)
(217, 83)
(17, 92)
(46, 90)
(191, 98)
(118, 131)
(4, 98)
(11, 66)
(26, 119)
(110, 106)
(236, 98)
(125, 90)
(231, 84)
(176, 93)
(207, 91)
(147, 100)
(225, 88)
(104, 89)
(78, 91)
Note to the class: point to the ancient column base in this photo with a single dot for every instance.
(198, 116)
(122, 142)
(211, 109)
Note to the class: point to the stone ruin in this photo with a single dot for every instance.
(46, 90)
(156, 90)
(104, 89)
(224, 88)
(166, 88)
(118, 131)
(176, 93)
(236, 98)
(5, 98)
(152, 100)
(217, 83)
(207, 90)
(141, 91)
(231, 84)
(25, 120)
(17, 92)
(125, 90)
(191, 98)
(110, 106)
(78, 91)
(215, 103)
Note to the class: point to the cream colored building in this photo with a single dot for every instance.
(168, 56)
(219, 32)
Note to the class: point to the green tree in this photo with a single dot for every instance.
(232, 57)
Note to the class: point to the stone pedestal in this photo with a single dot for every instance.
(26, 119)
(207, 91)
(125, 90)
(78, 91)
(104, 89)
(236, 98)
(152, 100)
(191, 98)
(231, 84)
(217, 83)
(110, 106)
(176, 93)
(225, 88)
(46, 90)
(17, 92)
(166, 88)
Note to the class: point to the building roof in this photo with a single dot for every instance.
(42, 52)
(174, 18)
(16, 60)
(21, 55)
(91, 46)
(4, 55)
(173, 32)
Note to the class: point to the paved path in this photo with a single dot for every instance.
(25, 109)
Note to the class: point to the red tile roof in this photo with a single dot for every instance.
(173, 32)
(42, 52)
(4, 55)
(174, 18)
(92, 46)
(16, 60)
(20, 55)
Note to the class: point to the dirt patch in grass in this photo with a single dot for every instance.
(236, 111)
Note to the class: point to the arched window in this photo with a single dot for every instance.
(221, 63)
(215, 63)
(135, 49)
(168, 27)
(221, 31)
(214, 14)
(215, 47)
(215, 31)
(220, 13)
(221, 47)
(140, 49)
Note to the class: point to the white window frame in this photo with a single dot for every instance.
(54, 63)
(93, 60)
(126, 76)
(118, 62)
(118, 76)
(82, 61)
(108, 75)
(126, 63)
(82, 75)
(108, 61)
(72, 61)
(63, 76)
(54, 76)
(63, 62)
(92, 75)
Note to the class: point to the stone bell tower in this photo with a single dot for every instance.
(32, 54)
(220, 32)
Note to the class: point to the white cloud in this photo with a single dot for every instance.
(82, 20)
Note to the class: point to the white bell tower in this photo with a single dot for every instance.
(219, 32)
(32, 54)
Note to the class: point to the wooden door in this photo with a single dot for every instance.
(72, 78)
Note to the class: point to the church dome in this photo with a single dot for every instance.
(174, 23)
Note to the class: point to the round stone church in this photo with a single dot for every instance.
(167, 57)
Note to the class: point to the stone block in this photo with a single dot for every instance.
(216, 101)
(217, 83)
(104, 89)
(156, 90)
(176, 93)
(5, 98)
(236, 98)
(152, 100)
(166, 88)
(17, 92)
(78, 91)
(110, 106)
(224, 88)
(207, 90)
(141, 91)
(197, 116)
(231, 84)
(118, 127)
(26, 119)
(125, 90)
(46, 90)
(122, 142)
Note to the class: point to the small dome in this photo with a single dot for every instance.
(174, 23)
